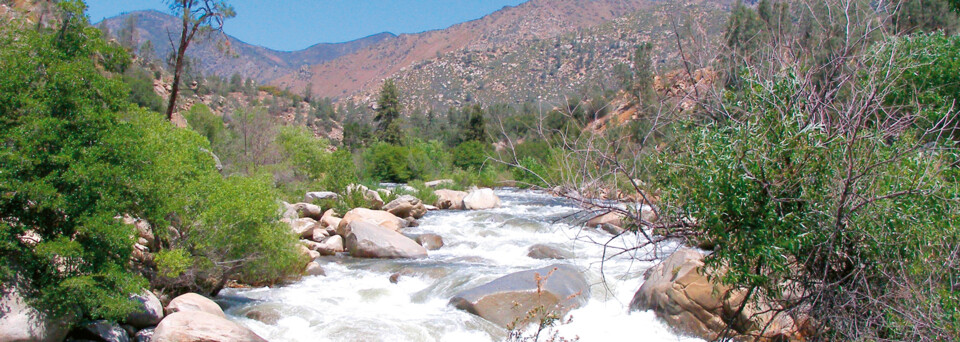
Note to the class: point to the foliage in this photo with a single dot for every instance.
(204, 122)
(65, 168)
(140, 82)
(470, 155)
(387, 163)
(388, 114)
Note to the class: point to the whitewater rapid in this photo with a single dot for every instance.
(356, 300)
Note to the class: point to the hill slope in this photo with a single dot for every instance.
(536, 19)
(256, 62)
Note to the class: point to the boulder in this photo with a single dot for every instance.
(613, 230)
(314, 196)
(439, 182)
(330, 219)
(612, 218)
(314, 269)
(406, 206)
(512, 301)
(149, 311)
(430, 207)
(377, 217)
(308, 210)
(101, 331)
(21, 322)
(449, 199)
(681, 295)
(331, 245)
(193, 302)
(144, 335)
(372, 197)
(366, 240)
(195, 326)
(303, 227)
(481, 199)
(431, 242)
(306, 251)
(542, 251)
(319, 234)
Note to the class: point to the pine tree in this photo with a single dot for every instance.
(388, 113)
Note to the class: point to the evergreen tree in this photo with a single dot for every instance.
(475, 128)
(388, 113)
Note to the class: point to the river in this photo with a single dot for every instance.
(356, 300)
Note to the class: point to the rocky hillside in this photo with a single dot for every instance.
(503, 30)
(224, 55)
(537, 69)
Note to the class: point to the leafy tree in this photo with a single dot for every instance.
(196, 16)
(388, 113)
(387, 163)
(925, 16)
(204, 122)
(140, 82)
(147, 52)
(65, 169)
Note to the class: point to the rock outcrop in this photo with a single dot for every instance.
(678, 293)
(509, 301)
(195, 326)
(481, 199)
(367, 240)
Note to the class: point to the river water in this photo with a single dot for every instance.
(356, 300)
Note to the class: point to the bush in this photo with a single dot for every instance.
(203, 121)
(529, 173)
(470, 155)
(387, 163)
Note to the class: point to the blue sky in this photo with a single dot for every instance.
(297, 24)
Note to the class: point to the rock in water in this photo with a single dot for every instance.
(508, 300)
(144, 335)
(366, 240)
(101, 331)
(201, 326)
(431, 242)
(481, 199)
(406, 206)
(149, 311)
(449, 199)
(687, 300)
(542, 251)
(376, 217)
(331, 245)
(193, 302)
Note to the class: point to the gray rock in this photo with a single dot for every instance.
(366, 240)
(510, 300)
(144, 335)
(543, 251)
(314, 269)
(103, 331)
(21, 322)
(481, 199)
(449, 199)
(149, 310)
(331, 245)
(312, 196)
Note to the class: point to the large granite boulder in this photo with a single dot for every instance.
(431, 242)
(449, 199)
(377, 217)
(303, 227)
(612, 218)
(680, 294)
(481, 199)
(193, 302)
(512, 301)
(331, 245)
(149, 310)
(198, 326)
(367, 240)
(21, 322)
(406, 206)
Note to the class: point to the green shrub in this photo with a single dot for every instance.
(470, 155)
(203, 121)
(530, 173)
(387, 163)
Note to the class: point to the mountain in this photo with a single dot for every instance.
(224, 55)
(365, 68)
(545, 70)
